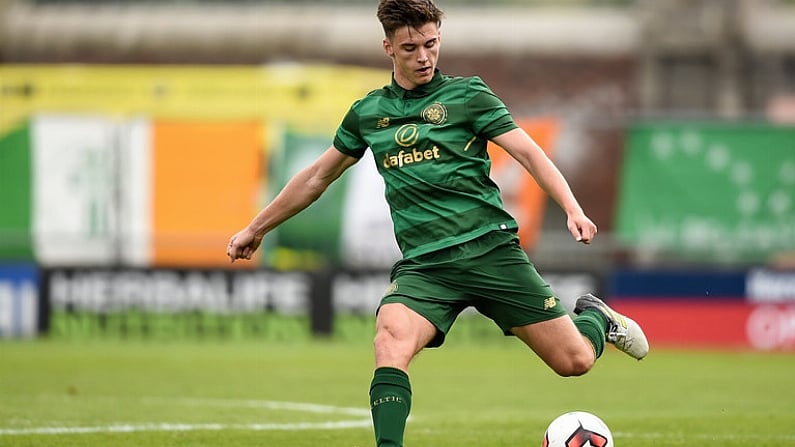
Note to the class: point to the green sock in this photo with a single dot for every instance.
(390, 403)
(593, 325)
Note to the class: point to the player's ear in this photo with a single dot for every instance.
(388, 48)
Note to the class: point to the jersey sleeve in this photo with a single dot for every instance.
(348, 139)
(489, 116)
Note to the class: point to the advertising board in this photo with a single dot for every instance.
(19, 301)
(753, 309)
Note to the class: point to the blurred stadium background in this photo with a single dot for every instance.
(137, 136)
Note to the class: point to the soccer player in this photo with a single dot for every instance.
(428, 133)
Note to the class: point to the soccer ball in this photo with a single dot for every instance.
(577, 429)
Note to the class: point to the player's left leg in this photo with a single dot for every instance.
(572, 347)
(561, 345)
(521, 302)
(623, 332)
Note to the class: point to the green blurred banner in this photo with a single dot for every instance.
(15, 195)
(310, 239)
(708, 191)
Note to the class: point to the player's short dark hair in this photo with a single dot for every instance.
(395, 14)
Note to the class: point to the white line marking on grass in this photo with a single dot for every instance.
(132, 428)
(184, 427)
(267, 404)
(723, 436)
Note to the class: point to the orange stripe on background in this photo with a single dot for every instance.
(523, 198)
(206, 177)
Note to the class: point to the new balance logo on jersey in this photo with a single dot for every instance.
(382, 123)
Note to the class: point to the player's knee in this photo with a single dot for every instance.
(574, 365)
(391, 350)
(388, 333)
(383, 338)
(391, 338)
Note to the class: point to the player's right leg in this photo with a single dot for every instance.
(400, 334)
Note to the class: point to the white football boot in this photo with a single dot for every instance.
(623, 332)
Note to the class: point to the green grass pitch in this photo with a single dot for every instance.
(278, 392)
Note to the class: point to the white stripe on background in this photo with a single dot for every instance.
(74, 220)
(368, 238)
(135, 207)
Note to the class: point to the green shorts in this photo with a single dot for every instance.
(491, 273)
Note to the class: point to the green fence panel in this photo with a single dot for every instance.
(709, 191)
(15, 195)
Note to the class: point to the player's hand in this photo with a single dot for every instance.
(243, 245)
(581, 228)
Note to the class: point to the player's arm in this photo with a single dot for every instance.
(521, 147)
(299, 192)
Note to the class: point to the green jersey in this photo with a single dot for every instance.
(429, 146)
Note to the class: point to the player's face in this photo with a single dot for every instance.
(414, 53)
